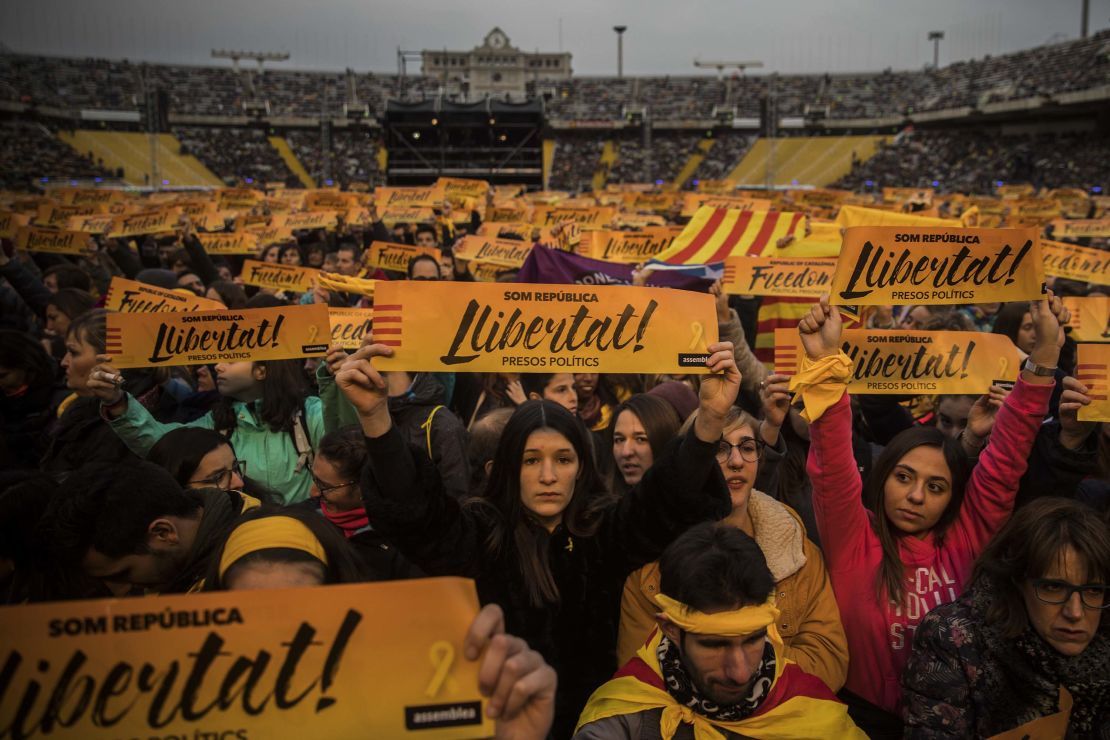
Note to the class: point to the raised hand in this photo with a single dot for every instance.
(335, 358)
(514, 391)
(724, 314)
(519, 684)
(366, 389)
(104, 382)
(718, 391)
(1073, 432)
(821, 329)
(981, 416)
(1049, 317)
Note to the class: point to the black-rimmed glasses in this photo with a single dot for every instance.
(1053, 591)
(751, 450)
(222, 478)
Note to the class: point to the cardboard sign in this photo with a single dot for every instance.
(519, 230)
(407, 215)
(503, 327)
(691, 202)
(431, 197)
(323, 200)
(273, 235)
(650, 202)
(84, 196)
(97, 224)
(1076, 263)
(31, 239)
(716, 187)
(229, 335)
(1080, 228)
(914, 362)
(277, 276)
(328, 661)
(150, 222)
(1090, 318)
(391, 256)
(911, 195)
(212, 220)
(311, 220)
(897, 265)
(504, 252)
(242, 242)
(54, 216)
(597, 217)
(1093, 370)
(778, 276)
(511, 214)
(349, 326)
(627, 247)
(129, 296)
(11, 222)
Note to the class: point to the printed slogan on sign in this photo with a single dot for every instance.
(192, 338)
(1093, 371)
(914, 362)
(326, 662)
(495, 327)
(884, 265)
(778, 276)
(130, 296)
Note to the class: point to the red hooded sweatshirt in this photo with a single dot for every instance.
(880, 636)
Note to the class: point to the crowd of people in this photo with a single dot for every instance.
(235, 154)
(31, 151)
(705, 554)
(661, 160)
(353, 156)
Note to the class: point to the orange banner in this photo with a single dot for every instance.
(150, 222)
(914, 362)
(350, 325)
(504, 252)
(11, 222)
(597, 217)
(502, 327)
(311, 220)
(521, 231)
(1076, 263)
(716, 187)
(1080, 228)
(778, 276)
(897, 265)
(213, 220)
(691, 202)
(407, 215)
(90, 224)
(650, 202)
(242, 242)
(31, 239)
(1090, 318)
(909, 195)
(627, 247)
(277, 276)
(391, 256)
(54, 216)
(190, 338)
(1093, 370)
(329, 200)
(327, 662)
(85, 196)
(129, 296)
(504, 213)
(1018, 190)
(431, 197)
(275, 235)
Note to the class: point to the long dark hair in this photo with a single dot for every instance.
(283, 393)
(180, 451)
(72, 302)
(890, 579)
(18, 351)
(513, 526)
(343, 566)
(1027, 547)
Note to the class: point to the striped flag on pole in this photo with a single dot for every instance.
(714, 234)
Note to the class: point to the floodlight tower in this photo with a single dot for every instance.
(721, 67)
(935, 37)
(620, 49)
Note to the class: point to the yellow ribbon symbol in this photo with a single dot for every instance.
(1003, 363)
(313, 330)
(699, 333)
(442, 657)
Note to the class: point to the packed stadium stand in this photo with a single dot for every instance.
(28, 147)
(236, 153)
(130, 151)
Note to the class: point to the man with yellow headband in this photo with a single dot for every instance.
(714, 668)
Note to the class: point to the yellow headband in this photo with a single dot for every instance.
(735, 623)
(269, 533)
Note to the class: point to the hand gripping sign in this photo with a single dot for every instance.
(525, 327)
(1093, 370)
(331, 661)
(899, 265)
(235, 335)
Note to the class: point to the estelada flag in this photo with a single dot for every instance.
(714, 234)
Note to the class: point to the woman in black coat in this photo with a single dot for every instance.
(546, 542)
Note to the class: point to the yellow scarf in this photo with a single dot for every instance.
(821, 383)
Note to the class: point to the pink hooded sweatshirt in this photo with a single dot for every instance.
(880, 636)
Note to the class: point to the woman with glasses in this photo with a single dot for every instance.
(1026, 649)
(810, 620)
(204, 458)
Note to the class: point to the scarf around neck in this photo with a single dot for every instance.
(351, 522)
(686, 693)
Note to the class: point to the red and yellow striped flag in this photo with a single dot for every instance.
(714, 234)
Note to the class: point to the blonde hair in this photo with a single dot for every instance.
(736, 418)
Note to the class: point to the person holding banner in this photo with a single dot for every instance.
(929, 519)
(545, 541)
(1024, 652)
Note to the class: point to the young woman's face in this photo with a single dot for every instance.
(57, 323)
(272, 254)
(585, 385)
(261, 575)
(337, 494)
(560, 389)
(79, 360)
(952, 415)
(1026, 335)
(290, 257)
(739, 473)
(217, 469)
(1068, 627)
(548, 472)
(917, 491)
(631, 448)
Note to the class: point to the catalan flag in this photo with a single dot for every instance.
(714, 234)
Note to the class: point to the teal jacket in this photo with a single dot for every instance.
(271, 456)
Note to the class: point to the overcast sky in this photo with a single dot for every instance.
(664, 37)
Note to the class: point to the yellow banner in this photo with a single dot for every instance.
(325, 200)
(195, 208)
(326, 662)
(628, 247)
(150, 222)
(129, 296)
(11, 222)
(1076, 263)
(716, 187)
(191, 338)
(31, 239)
(242, 242)
(510, 214)
(358, 217)
(778, 276)
(407, 215)
(213, 220)
(597, 217)
(503, 252)
(650, 202)
(84, 196)
(350, 325)
(432, 197)
(909, 195)
(1090, 318)
(275, 235)
(1079, 228)
(311, 220)
(52, 216)
(914, 362)
(278, 276)
(1018, 190)
(1093, 370)
(488, 272)
(90, 224)
(241, 199)
(628, 220)
(892, 265)
(691, 202)
(1034, 211)
(456, 189)
(503, 327)
(521, 231)
(859, 216)
(391, 256)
